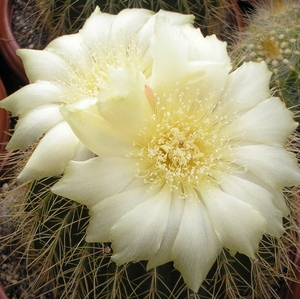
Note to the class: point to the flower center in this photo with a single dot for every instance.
(185, 147)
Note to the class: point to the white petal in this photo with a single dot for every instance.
(126, 106)
(82, 153)
(108, 211)
(164, 254)
(97, 27)
(52, 154)
(173, 68)
(260, 199)
(196, 246)
(146, 32)
(31, 96)
(138, 234)
(91, 181)
(95, 132)
(33, 125)
(127, 23)
(239, 227)
(246, 87)
(277, 194)
(208, 48)
(44, 65)
(258, 124)
(169, 60)
(73, 49)
(274, 165)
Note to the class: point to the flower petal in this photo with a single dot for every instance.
(264, 129)
(140, 239)
(52, 154)
(277, 194)
(108, 211)
(33, 125)
(125, 106)
(175, 69)
(127, 23)
(274, 165)
(146, 32)
(164, 253)
(72, 49)
(260, 199)
(103, 177)
(208, 48)
(90, 31)
(44, 65)
(29, 97)
(196, 246)
(246, 87)
(239, 227)
(92, 130)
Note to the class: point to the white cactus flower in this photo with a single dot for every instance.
(188, 160)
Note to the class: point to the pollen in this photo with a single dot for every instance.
(184, 147)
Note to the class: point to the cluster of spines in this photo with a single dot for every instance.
(272, 35)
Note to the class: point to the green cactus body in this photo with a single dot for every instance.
(67, 17)
(273, 36)
(57, 228)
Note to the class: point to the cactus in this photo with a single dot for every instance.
(273, 35)
(50, 230)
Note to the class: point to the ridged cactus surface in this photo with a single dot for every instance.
(273, 35)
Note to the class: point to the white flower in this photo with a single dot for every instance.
(190, 160)
(70, 69)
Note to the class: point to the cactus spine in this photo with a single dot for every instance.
(273, 35)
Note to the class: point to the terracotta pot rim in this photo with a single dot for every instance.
(4, 128)
(2, 293)
(8, 44)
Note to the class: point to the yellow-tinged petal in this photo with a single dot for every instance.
(51, 67)
(112, 209)
(246, 87)
(92, 129)
(164, 253)
(196, 246)
(146, 32)
(127, 23)
(165, 52)
(264, 129)
(74, 51)
(140, 239)
(273, 165)
(90, 30)
(277, 194)
(210, 48)
(125, 105)
(260, 199)
(175, 68)
(238, 225)
(32, 125)
(91, 181)
(52, 154)
(18, 102)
